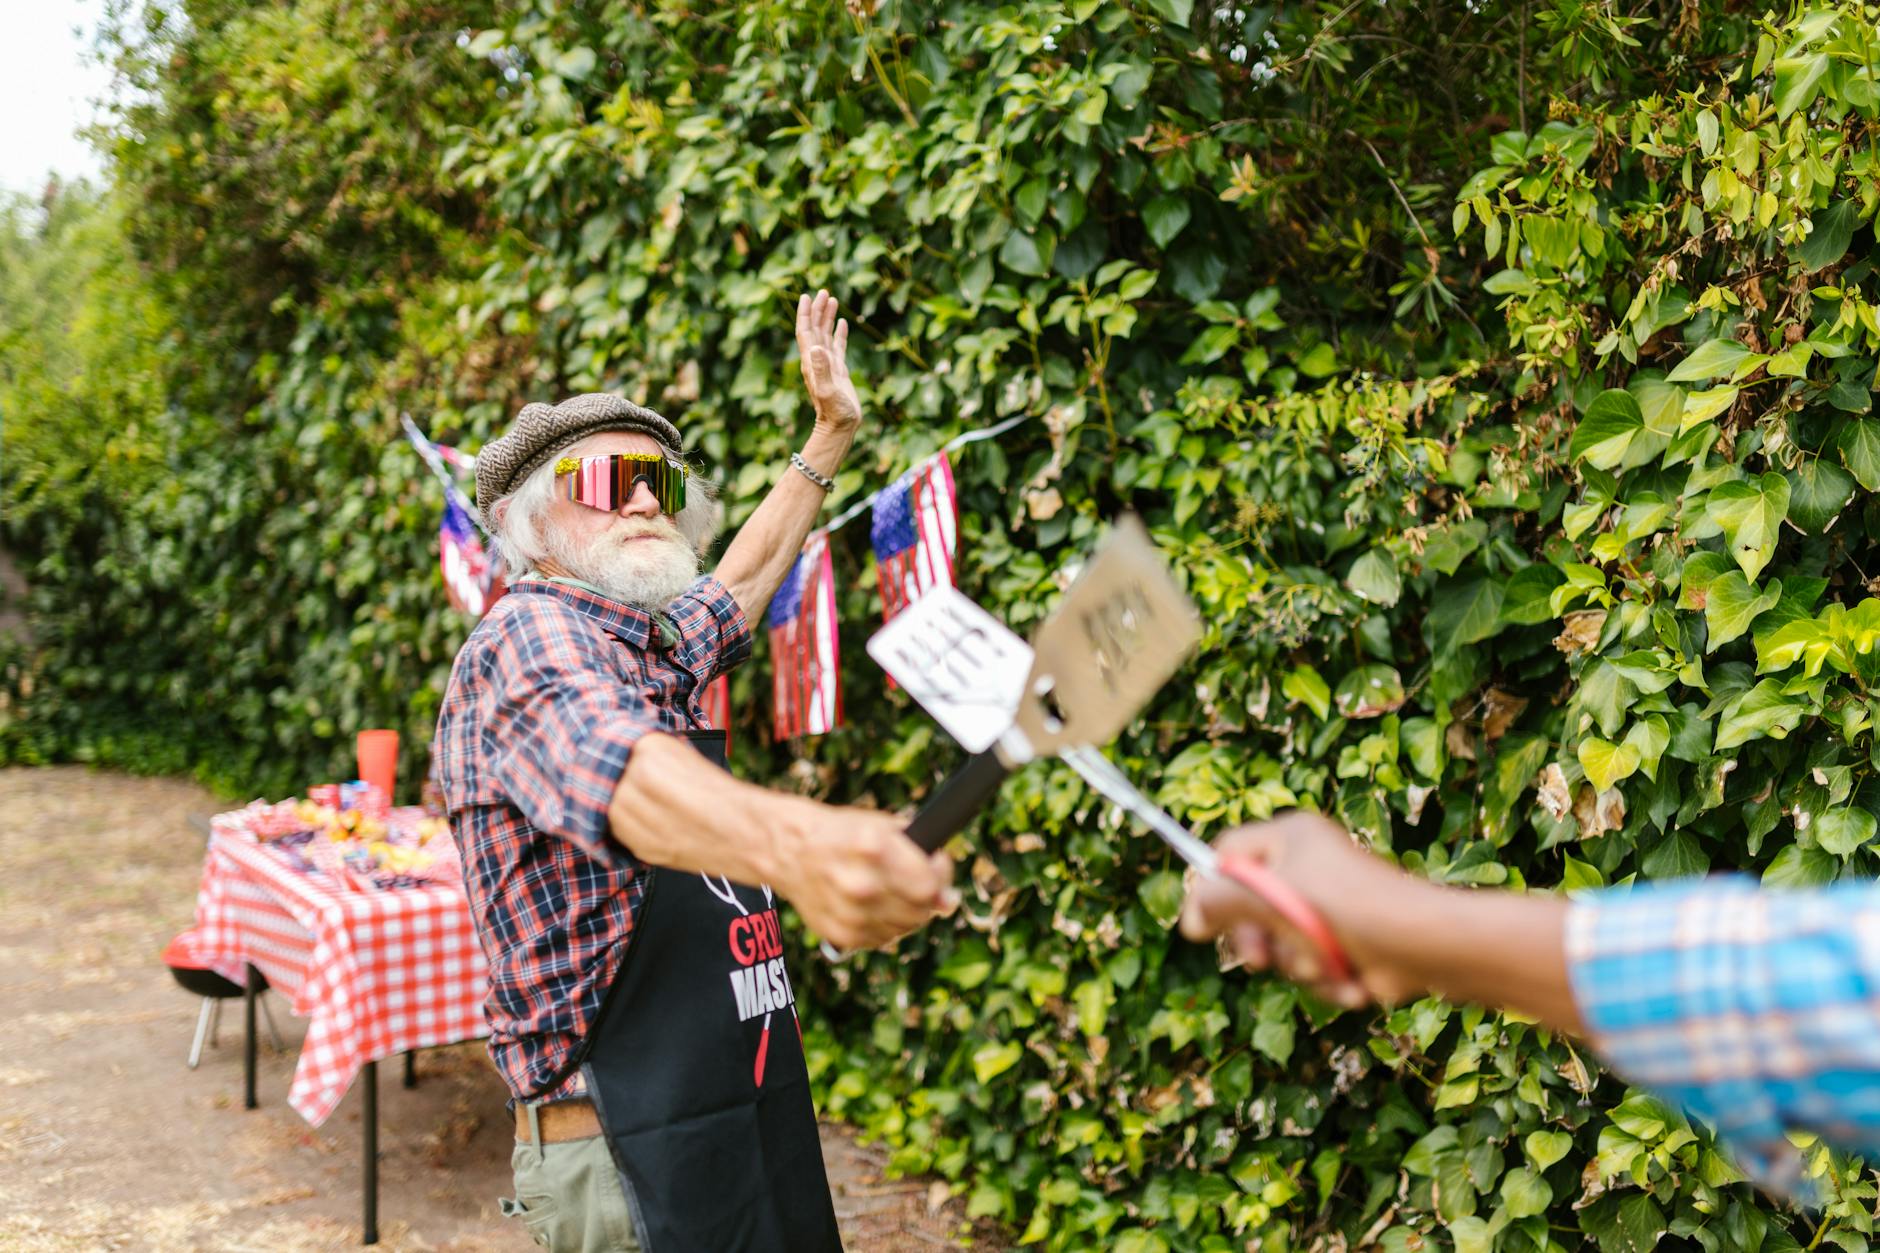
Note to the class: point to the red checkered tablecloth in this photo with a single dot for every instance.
(375, 972)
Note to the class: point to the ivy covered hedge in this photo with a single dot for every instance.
(1503, 392)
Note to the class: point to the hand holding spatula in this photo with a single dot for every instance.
(1121, 631)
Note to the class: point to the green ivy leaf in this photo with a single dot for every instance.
(1525, 1193)
(1607, 429)
(1580, 875)
(1029, 253)
(1423, 746)
(1465, 613)
(1675, 855)
(1732, 603)
(1798, 867)
(1660, 402)
(1161, 894)
(1749, 515)
(1762, 710)
(1369, 692)
(1713, 357)
(1306, 685)
(1642, 1116)
(1650, 735)
(1799, 594)
(1425, 1157)
(1641, 1223)
(1276, 1026)
(1796, 82)
(1164, 217)
(1860, 450)
(1818, 491)
(1841, 831)
(1805, 639)
(1176, 11)
(1701, 569)
(1320, 362)
(1472, 1235)
(1529, 591)
(1605, 694)
(1544, 1148)
(1374, 577)
(968, 965)
(1093, 998)
(993, 1060)
(1701, 407)
(1605, 764)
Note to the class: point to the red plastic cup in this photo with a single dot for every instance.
(378, 759)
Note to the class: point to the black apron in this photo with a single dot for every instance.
(695, 1065)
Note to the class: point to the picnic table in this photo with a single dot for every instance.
(375, 971)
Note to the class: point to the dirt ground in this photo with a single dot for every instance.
(108, 1140)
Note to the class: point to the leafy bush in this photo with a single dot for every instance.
(1503, 393)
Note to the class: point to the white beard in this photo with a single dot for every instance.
(647, 574)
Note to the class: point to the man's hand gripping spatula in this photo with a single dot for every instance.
(1121, 631)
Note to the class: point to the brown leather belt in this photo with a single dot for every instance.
(561, 1121)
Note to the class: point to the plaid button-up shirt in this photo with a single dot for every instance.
(546, 700)
(1756, 1010)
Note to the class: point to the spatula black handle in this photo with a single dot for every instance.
(965, 792)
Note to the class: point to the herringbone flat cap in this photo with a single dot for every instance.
(540, 431)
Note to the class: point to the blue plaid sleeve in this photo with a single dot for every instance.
(715, 638)
(1758, 1011)
(559, 723)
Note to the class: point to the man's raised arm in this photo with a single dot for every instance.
(767, 546)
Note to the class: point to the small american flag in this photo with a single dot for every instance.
(470, 577)
(807, 679)
(915, 531)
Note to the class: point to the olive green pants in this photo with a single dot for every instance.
(569, 1197)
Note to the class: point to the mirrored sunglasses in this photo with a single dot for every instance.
(606, 480)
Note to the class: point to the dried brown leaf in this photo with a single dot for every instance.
(1500, 709)
(1581, 631)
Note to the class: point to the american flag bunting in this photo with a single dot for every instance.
(806, 678)
(915, 532)
(470, 577)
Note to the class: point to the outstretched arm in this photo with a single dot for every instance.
(1406, 936)
(1747, 1007)
(767, 545)
(853, 874)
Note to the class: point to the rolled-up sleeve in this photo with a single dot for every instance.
(715, 637)
(1756, 1010)
(560, 725)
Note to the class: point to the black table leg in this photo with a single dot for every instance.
(411, 1068)
(370, 1076)
(250, 978)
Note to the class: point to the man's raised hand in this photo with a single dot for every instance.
(822, 339)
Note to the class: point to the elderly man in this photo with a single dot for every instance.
(639, 1006)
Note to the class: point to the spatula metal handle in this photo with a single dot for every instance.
(958, 800)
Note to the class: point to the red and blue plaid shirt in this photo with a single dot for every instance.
(546, 700)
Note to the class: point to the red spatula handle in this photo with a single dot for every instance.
(1288, 904)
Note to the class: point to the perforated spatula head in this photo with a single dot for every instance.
(1120, 632)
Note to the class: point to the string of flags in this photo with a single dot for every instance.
(913, 530)
(471, 578)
